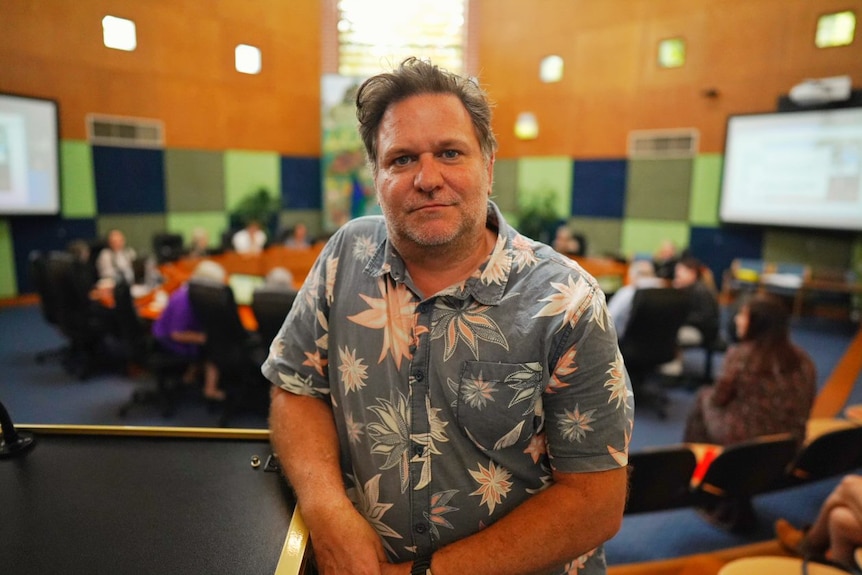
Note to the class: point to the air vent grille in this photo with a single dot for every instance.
(124, 131)
(682, 143)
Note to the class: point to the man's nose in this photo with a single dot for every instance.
(428, 177)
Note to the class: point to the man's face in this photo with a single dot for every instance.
(432, 181)
(116, 240)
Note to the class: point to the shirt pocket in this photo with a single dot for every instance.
(496, 403)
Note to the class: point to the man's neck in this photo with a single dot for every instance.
(435, 270)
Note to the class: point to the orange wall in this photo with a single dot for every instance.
(750, 51)
(182, 71)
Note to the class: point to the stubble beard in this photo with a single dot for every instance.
(430, 238)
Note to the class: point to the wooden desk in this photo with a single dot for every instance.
(821, 285)
(610, 273)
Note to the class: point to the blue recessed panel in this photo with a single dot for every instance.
(129, 180)
(718, 247)
(300, 183)
(599, 188)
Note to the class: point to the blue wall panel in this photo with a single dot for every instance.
(129, 180)
(300, 184)
(599, 188)
(717, 247)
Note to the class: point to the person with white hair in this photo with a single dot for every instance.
(178, 330)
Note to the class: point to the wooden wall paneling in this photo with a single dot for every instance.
(802, 59)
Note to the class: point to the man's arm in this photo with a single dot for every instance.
(302, 432)
(579, 512)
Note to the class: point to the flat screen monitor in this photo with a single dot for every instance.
(29, 156)
(794, 169)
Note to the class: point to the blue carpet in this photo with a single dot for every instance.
(43, 393)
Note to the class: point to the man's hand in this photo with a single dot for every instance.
(344, 542)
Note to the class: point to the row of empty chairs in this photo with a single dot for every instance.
(672, 477)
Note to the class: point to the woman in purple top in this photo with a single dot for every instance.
(178, 330)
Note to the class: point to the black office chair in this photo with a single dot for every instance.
(650, 340)
(740, 472)
(829, 455)
(68, 284)
(140, 348)
(270, 307)
(48, 304)
(167, 247)
(660, 479)
(237, 352)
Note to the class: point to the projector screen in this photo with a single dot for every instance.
(796, 169)
(29, 156)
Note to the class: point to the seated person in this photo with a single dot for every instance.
(665, 260)
(701, 325)
(566, 243)
(641, 275)
(767, 384)
(298, 237)
(178, 330)
(116, 261)
(277, 279)
(836, 534)
(200, 243)
(249, 240)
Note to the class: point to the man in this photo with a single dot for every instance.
(249, 240)
(450, 397)
(116, 261)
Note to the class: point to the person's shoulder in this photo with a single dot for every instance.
(363, 224)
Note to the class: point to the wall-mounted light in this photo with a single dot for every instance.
(247, 59)
(551, 69)
(671, 53)
(836, 29)
(119, 33)
(526, 126)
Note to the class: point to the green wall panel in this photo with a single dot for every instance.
(506, 185)
(603, 235)
(194, 181)
(287, 219)
(643, 237)
(658, 189)
(8, 279)
(818, 251)
(77, 184)
(247, 172)
(138, 229)
(705, 190)
(538, 176)
(185, 222)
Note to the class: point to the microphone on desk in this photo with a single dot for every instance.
(13, 443)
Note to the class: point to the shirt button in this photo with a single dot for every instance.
(419, 376)
(418, 450)
(420, 528)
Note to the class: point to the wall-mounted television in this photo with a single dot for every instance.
(794, 169)
(29, 155)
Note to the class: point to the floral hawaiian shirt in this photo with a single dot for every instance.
(453, 409)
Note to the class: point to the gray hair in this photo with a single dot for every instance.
(209, 270)
(412, 78)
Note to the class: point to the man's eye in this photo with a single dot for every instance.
(451, 154)
(401, 160)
